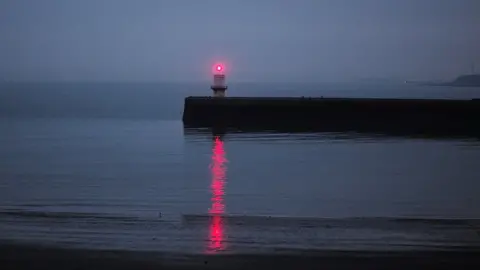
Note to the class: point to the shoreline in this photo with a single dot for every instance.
(37, 256)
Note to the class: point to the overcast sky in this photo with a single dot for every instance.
(259, 40)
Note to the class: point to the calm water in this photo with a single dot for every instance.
(84, 165)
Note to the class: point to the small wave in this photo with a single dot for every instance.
(439, 221)
(64, 215)
(329, 222)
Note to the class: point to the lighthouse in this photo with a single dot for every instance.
(219, 86)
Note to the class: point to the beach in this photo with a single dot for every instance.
(24, 256)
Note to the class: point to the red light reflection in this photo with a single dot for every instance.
(218, 169)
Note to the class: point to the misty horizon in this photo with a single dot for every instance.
(259, 41)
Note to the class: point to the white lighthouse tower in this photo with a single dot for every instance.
(219, 86)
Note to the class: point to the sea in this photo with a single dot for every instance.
(111, 166)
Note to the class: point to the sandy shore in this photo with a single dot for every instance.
(21, 256)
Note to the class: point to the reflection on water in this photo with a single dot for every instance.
(296, 135)
(218, 169)
(72, 179)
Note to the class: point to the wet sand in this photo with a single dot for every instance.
(22, 256)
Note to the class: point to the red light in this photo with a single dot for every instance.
(218, 68)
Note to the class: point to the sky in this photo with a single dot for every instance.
(257, 40)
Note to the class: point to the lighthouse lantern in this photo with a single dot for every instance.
(219, 86)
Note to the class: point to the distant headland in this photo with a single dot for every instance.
(466, 80)
(472, 80)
